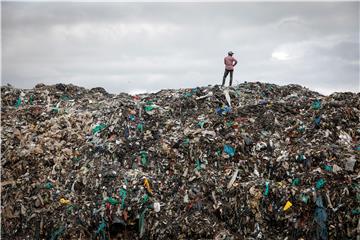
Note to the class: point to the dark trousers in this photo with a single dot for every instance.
(225, 75)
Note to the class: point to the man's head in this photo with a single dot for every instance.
(230, 53)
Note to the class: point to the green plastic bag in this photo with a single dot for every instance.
(328, 168)
(142, 223)
(149, 108)
(296, 182)
(267, 189)
(98, 128)
(123, 194)
(101, 230)
(201, 124)
(320, 183)
(145, 198)
(48, 185)
(31, 99)
(112, 201)
(18, 102)
(144, 158)
(316, 105)
(140, 127)
(304, 198)
(198, 165)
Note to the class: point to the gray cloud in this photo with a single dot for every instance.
(149, 46)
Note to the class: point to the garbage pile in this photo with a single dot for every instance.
(254, 161)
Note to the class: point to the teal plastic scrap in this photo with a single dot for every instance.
(266, 193)
(18, 102)
(201, 124)
(48, 185)
(328, 168)
(31, 99)
(144, 158)
(150, 107)
(300, 157)
(296, 182)
(145, 198)
(301, 129)
(320, 183)
(229, 150)
(316, 105)
(70, 208)
(355, 211)
(55, 235)
(123, 194)
(186, 141)
(304, 198)
(229, 124)
(187, 94)
(142, 223)
(65, 98)
(98, 128)
(194, 90)
(112, 201)
(198, 165)
(140, 127)
(101, 229)
(218, 152)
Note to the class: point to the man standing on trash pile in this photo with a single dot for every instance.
(230, 63)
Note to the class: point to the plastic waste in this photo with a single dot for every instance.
(267, 189)
(287, 205)
(18, 102)
(316, 105)
(229, 150)
(233, 178)
(64, 201)
(99, 128)
(320, 183)
(227, 97)
(127, 165)
(156, 207)
(123, 194)
(320, 216)
(350, 163)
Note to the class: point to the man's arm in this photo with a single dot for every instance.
(235, 62)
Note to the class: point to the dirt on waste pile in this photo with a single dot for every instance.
(254, 161)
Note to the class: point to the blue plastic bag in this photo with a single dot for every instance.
(229, 150)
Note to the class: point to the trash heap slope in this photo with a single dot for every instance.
(255, 161)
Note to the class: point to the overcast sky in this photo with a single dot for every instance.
(139, 47)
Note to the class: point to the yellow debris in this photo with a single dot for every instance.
(64, 201)
(147, 185)
(287, 205)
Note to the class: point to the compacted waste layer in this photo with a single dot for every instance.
(253, 161)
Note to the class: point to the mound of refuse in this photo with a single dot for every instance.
(253, 161)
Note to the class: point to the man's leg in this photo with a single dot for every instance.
(224, 77)
(231, 77)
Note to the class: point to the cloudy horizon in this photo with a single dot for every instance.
(146, 47)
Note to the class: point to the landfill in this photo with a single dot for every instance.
(252, 161)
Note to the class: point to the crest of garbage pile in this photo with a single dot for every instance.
(254, 161)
